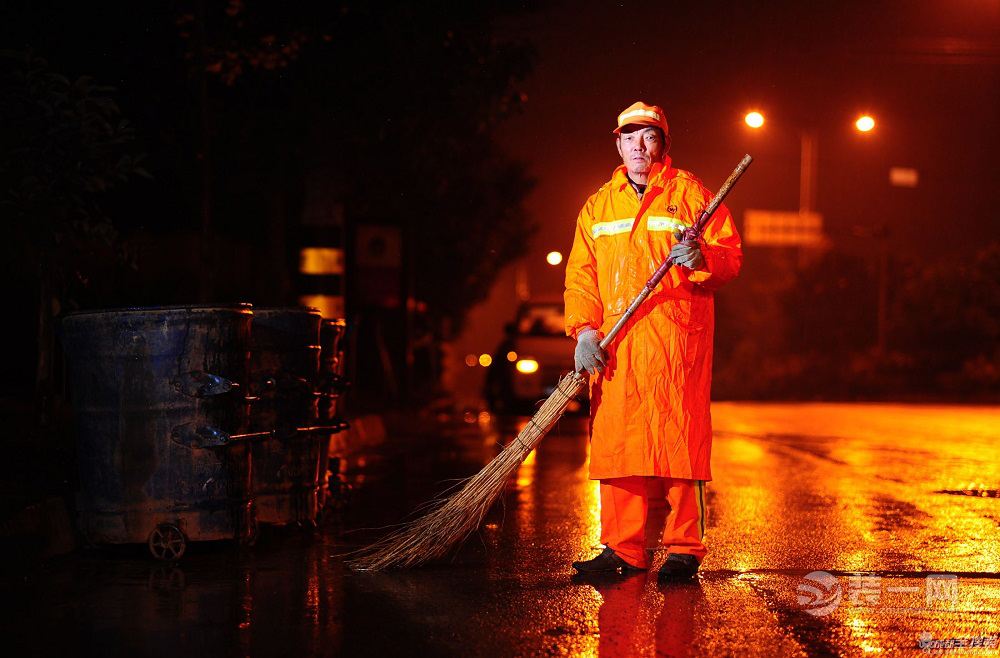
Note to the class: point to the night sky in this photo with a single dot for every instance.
(929, 72)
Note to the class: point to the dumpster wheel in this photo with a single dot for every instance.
(167, 542)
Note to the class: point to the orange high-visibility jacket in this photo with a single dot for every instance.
(650, 407)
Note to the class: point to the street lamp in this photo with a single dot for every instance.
(865, 123)
(754, 119)
(553, 258)
(807, 195)
(809, 156)
(807, 162)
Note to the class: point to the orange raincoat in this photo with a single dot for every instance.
(650, 408)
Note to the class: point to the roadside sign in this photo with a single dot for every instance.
(904, 176)
(777, 228)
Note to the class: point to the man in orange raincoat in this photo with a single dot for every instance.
(651, 432)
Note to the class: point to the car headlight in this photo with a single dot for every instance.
(527, 366)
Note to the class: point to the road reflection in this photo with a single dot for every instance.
(887, 494)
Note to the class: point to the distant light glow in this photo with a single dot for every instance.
(512, 356)
(904, 176)
(864, 123)
(527, 366)
(471, 360)
(526, 472)
(754, 119)
(321, 260)
(553, 258)
(485, 360)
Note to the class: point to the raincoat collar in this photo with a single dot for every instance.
(657, 175)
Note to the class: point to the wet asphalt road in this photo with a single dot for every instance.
(896, 505)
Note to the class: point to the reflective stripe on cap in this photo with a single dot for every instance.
(622, 118)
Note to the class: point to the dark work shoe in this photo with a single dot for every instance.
(678, 567)
(608, 560)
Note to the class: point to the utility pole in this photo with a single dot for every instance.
(808, 161)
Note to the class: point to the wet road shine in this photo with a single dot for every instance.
(833, 529)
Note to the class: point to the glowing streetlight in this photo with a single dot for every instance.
(807, 162)
(553, 258)
(864, 123)
(754, 119)
(485, 360)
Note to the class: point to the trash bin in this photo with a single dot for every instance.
(159, 400)
(333, 385)
(284, 371)
(332, 381)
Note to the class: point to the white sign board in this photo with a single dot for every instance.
(777, 228)
(904, 176)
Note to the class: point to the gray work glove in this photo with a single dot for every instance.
(687, 252)
(589, 356)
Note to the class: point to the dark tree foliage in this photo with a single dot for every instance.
(237, 102)
(844, 321)
(947, 318)
(63, 145)
(413, 114)
(811, 332)
(399, 101)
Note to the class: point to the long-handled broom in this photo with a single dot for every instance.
(448, 521)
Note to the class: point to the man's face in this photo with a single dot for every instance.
(640, 147)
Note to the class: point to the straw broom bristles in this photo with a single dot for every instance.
(451, 520)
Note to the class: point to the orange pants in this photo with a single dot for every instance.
(625, 506)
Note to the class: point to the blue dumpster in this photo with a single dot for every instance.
(284, 370)
(159, 401)
(332, 380)
(333, 384)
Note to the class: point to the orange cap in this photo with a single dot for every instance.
(639, 113)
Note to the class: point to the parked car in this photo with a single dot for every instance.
(528, 363)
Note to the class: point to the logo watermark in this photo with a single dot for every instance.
(821, 593)
(929, 645)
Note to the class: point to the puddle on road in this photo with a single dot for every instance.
(978, 493)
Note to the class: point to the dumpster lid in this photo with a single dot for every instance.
(239, 307)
